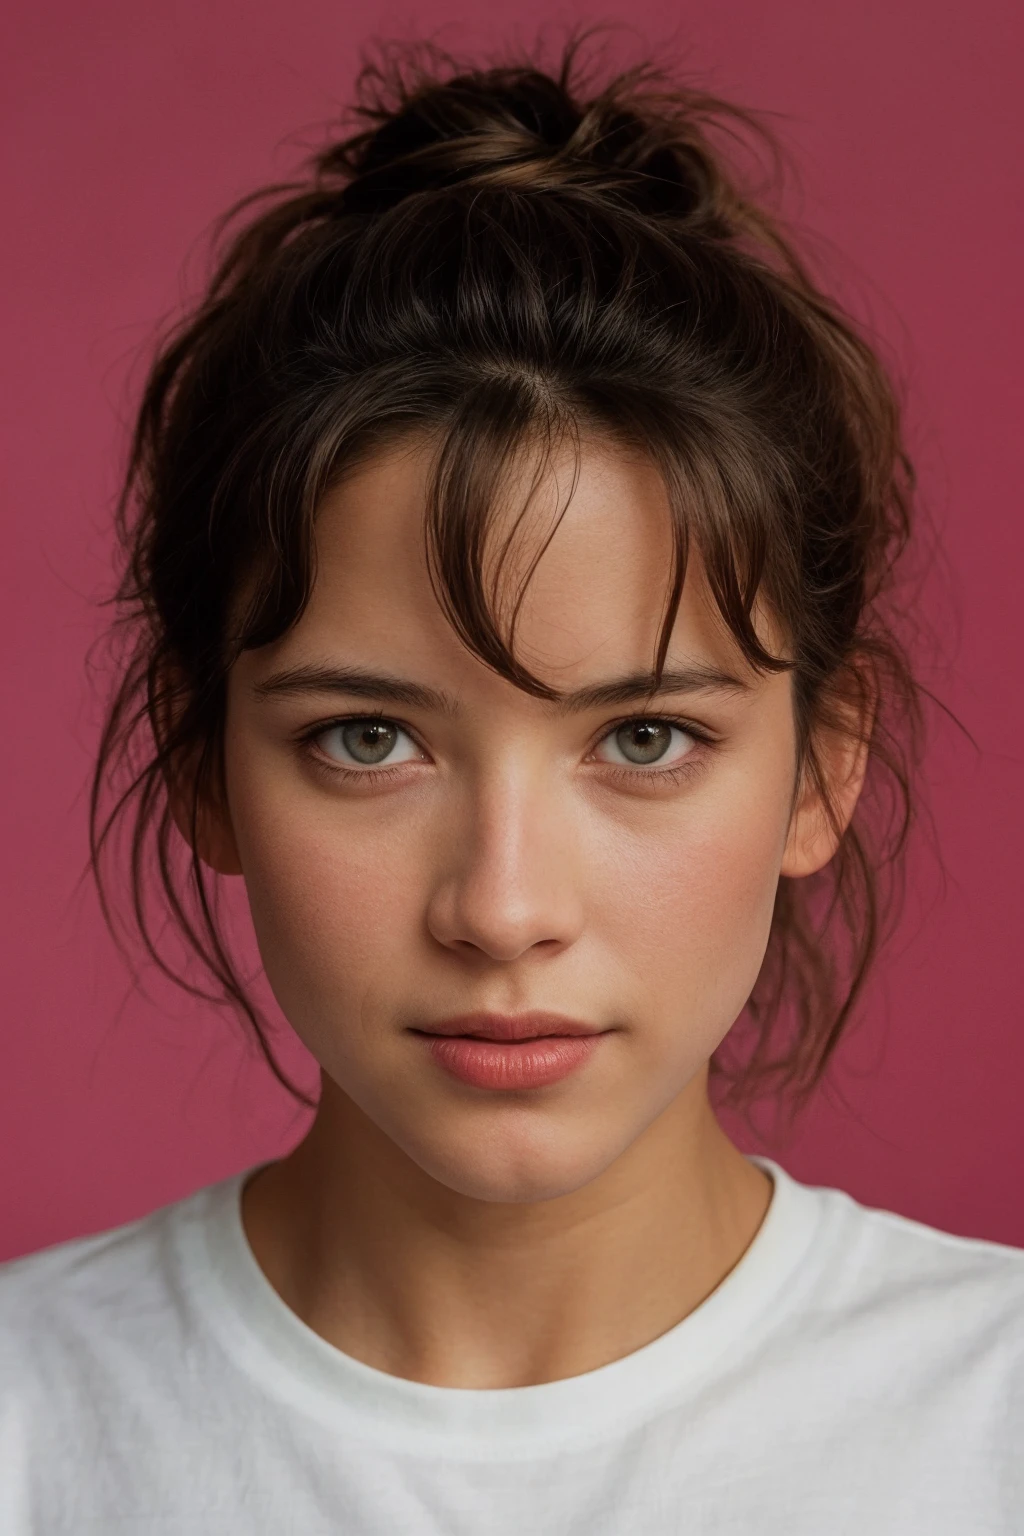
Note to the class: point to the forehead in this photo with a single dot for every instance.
(592, 533)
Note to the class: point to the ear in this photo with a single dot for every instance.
(215, 841)
(214, 834)
(823, 810)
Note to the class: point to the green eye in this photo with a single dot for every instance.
(369, 741)
(644, 743)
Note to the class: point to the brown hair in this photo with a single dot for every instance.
(498, 254)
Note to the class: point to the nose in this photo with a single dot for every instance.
(509, 884)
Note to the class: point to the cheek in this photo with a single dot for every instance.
(690, 897)
(335, 897)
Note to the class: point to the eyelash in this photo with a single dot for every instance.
(335, 771)
(675, 772)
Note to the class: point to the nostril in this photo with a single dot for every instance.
(508, 892)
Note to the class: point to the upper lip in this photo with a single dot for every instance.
(508, 1026)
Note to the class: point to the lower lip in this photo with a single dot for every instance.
(511, 1064)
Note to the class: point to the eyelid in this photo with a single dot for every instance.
(699, 733)
(318, 727)
(307, 736)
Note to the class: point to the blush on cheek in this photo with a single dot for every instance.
(694, 915)
(329, 915)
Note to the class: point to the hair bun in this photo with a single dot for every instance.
(514, 127)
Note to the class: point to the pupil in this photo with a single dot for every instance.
(369, 741)
(644, 741)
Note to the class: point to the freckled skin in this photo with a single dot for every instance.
(505, 868)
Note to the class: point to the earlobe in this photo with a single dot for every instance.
(812, 840)
(215, 840)
(821, 816)
(214, 834)
(220, 852)
(833, 775)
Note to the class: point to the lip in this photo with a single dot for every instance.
(510, 1052)
(510, 1026)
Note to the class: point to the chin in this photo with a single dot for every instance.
(516, 1164)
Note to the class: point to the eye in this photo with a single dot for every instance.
(646, 743)
(368, 743)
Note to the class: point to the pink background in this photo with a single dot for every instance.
(127, 129)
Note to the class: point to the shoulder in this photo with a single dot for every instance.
(926, 1297)
(104, 1358)
(897, 1252)
(112, 1302)
(893, 1337)
(84, 1274)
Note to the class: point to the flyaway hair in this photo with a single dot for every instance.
(505, 260)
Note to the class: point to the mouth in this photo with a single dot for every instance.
(510, 1052)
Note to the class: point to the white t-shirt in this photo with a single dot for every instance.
(856, 1372)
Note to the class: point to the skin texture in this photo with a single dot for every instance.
(506, 858)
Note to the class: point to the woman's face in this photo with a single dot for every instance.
(431, 854)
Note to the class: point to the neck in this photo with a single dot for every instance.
(413, 1278)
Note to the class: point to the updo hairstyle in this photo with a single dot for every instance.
(506, 257)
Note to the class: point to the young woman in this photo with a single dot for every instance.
(508, 536)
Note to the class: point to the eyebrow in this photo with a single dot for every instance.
(635, 687)
(354, 681)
